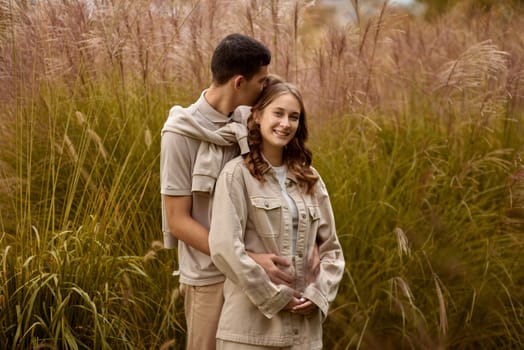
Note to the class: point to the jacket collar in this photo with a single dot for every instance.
(290, 175)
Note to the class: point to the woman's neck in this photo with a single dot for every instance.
(274, 157)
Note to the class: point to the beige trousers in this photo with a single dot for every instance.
(202, 306)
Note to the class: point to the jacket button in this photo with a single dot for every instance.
(300, 254)
(303, 216)
(266, 204)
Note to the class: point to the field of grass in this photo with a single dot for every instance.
(417, 129)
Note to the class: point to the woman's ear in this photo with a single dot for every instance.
(256, 117)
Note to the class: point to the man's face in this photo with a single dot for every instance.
(251, 89)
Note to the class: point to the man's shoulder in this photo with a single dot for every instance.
(179, 110)
(170, 137)
(181, 120)
(241, 113)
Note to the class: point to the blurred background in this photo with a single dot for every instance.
(416, 117)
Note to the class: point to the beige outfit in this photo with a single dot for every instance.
(196, 143)
(189, 137)
(202, 306)
(254, 216)
(227, 345)
(210, 151)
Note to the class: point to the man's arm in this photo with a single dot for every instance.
(182, 225)
(185, 228)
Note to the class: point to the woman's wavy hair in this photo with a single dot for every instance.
(296, 155)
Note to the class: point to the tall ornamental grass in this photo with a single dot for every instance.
(416, 128)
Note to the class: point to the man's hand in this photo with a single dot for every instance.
(270, 262)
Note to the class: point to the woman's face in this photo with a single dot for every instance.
(279, 122)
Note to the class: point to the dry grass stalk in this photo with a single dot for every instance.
(147, 138)
(403, 243)
(70, 149)
(164, 44)
(477, 65)
(98, 141)
(443, 319)
(514, 213)
(92, 134)
(399, 282)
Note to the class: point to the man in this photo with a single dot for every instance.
(196, 143)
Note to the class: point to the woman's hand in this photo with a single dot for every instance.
(304, 307)
(300, 305)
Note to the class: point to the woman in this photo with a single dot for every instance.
(272, 201)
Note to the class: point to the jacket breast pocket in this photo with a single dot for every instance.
(314, 217)
(267, 215)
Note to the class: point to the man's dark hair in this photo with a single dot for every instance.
(238, 54)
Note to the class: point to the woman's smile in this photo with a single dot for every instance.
(278, 125)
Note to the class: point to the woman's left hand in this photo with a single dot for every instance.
(305, 307)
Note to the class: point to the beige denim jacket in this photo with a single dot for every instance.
(254, 216)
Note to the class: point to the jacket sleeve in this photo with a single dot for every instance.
(226, 243)
(324, 289)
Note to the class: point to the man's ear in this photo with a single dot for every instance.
(237, 81)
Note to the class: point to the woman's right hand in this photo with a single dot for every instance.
(296, 300)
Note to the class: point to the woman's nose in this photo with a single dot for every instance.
(285, 121)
